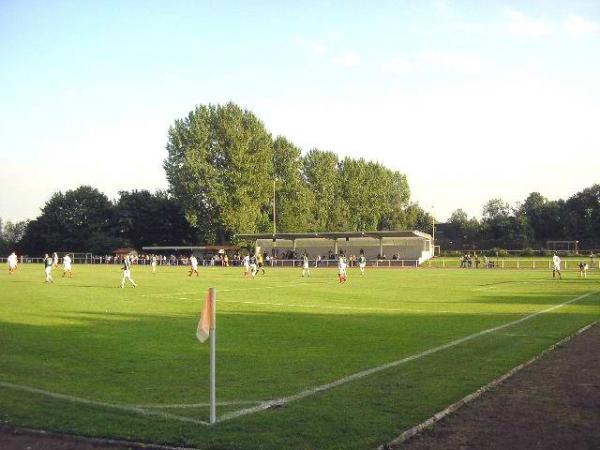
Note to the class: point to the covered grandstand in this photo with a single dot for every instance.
(412, 247)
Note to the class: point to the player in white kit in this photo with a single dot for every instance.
(583, 267)
(194, 269)
(342, 269)
(12, 263)
(127, 272)
(67, 268)
(154, 262)
(246, 262)
(556, 267)
(305, 268)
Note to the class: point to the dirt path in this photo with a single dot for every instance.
(552, 404)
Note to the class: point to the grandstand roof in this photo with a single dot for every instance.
(337, 235)
(190, 247)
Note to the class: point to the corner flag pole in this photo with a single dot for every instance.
(213, 355)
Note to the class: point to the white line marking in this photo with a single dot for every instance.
(455, 406)
(365, 373)
(199, 405)
(128, 408)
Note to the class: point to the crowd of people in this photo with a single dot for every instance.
(467, 261)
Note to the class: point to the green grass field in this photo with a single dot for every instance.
(83, 356)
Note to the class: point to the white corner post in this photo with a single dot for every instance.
(213, 355)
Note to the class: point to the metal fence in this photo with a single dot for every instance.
(507, 263)
(383, 263)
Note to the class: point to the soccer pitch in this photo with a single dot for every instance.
(301, 362)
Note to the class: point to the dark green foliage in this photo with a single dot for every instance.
(144, 219)
(530, 224)
(11, 235)
(78, 220)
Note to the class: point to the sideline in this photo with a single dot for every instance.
(406, 435)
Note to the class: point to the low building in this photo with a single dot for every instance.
(376, 245)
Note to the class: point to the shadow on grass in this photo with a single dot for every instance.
(262, 354)
(137, 358)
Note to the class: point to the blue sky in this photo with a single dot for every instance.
(472, 100)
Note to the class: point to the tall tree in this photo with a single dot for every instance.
(321, 172)
(397, 198)
(219, 168)
(294, 199)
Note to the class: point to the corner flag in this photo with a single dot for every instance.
(207, 329)
(205, 322)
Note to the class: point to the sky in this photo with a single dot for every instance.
(471, 100)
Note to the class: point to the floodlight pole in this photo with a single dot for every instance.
(213, 355)
(274, 224)
(274, 217)
(433, 229)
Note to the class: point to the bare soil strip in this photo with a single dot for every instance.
(554, 403)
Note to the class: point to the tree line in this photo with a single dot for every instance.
(227, 174)
(528, 224)
(85, 220)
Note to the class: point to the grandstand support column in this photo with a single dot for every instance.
(381, 247)
(335, 246)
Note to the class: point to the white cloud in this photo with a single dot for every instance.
(400, 66)
(577, 25)
(347, 58)
(315, 47)
(459, 62)
(522, 25)
(441, 6)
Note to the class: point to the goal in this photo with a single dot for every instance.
(563, 246)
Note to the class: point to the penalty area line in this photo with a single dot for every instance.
(85, 401)
(365, 373)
